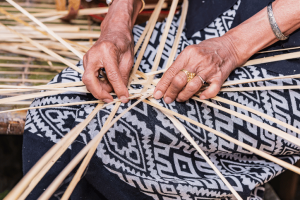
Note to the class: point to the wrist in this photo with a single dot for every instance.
(122, 12)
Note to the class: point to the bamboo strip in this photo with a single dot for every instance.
(48, 106)
(18, 103)
(20, 21)
(286, 49)
(230, 139)
(29, 96)
(44, 33)
(288, 126)
(69, 89)
(228, 83)
(162, 43)
(243, 89)
(29, 73)
(56, 105)
(86, 11)
(54, 156)
(147, 27)
(147, 38)
(46, 50)
(178, 34)
(65, 35)
(20, 80)
(267, 127)
(26, 4)
(88, 157)
(182, 129)
(77, 53)
(55, 184)
(33, 54)
(26, 180)
(13, 58)
(286, 56)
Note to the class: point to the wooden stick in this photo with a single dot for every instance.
(286, 125)
(182, 129)
(77, 53)
(55, 184)
(230, 139)
(31, 174)
(88, 157)
(267, 127)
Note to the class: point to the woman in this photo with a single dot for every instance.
(144, 156)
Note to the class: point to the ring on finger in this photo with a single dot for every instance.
(189, 75)
(203, 81)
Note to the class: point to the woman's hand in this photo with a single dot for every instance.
(113, 51)
(212, 59)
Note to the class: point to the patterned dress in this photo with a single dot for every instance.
(143, 156)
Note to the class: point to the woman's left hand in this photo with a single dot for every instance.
(212, 59)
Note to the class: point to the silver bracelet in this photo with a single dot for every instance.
(109, 2)
(274, 25)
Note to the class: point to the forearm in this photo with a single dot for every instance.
(122, 13)
(256, 33)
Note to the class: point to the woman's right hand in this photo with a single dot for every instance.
(113, 51)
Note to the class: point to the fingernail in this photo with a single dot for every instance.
(178, 100)
(123, 99)
(158, 94)
(168, 100)
(202, 97)
(107, 100)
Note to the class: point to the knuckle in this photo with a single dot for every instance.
(107, 45)
(179, 82)
(190, 49)
(113, 76)
(85, 79)
(193, 86)
(171, 72)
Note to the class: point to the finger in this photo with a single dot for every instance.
(93, 85)
(212, 90)
(115, 78)
(125, 66)
(177, 84)
(169, 75)
(191, 88)
(91, 80)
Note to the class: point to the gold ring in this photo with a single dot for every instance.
(189, 75)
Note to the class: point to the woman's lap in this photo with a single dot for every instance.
(143, 153)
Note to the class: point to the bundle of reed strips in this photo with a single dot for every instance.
(56, 49)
